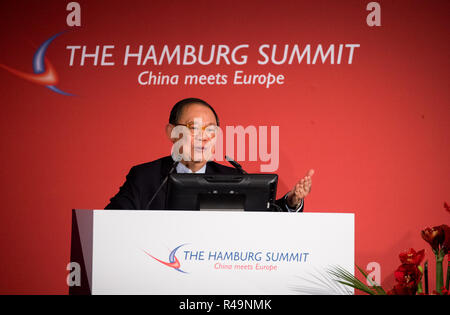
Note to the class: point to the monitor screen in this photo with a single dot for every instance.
(249, 192)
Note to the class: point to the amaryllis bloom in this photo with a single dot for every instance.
(402, 289)
(408, 275)
(446, 242)
(412, 257)
(434, 236)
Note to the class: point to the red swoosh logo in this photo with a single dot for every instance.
(175, 264)
(49, 77)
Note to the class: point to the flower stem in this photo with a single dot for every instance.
(426, 277)
(439, 272)
(419, 285)
(447, 282)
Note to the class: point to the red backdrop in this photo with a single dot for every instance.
(376, 131)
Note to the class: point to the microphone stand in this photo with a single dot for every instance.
(172, 169)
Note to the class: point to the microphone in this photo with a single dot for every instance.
(239, 168)
(172, 169)
(235, 164)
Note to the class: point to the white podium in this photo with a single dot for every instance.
(216, 253)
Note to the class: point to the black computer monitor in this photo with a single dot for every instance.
(249, 192)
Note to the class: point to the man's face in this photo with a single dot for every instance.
(196, 129)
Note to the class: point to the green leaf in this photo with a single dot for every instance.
(346, 278)
(377, 288)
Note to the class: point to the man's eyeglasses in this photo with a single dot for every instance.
(193, 128)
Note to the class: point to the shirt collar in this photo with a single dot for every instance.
(183, 169)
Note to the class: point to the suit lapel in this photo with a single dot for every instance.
(210, 168)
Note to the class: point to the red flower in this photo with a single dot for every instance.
(401, 289)
(444, 291)
(447, 207)
(408, 275)
(411, 257)
(446, 242)
(434, 236)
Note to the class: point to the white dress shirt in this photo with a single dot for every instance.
(183, 169)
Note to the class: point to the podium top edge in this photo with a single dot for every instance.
(197, 211)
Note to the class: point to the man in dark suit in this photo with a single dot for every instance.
(143, 180)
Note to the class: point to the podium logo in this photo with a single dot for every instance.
(43, 71)
(173, 260)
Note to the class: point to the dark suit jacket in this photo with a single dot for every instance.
(143, 180)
